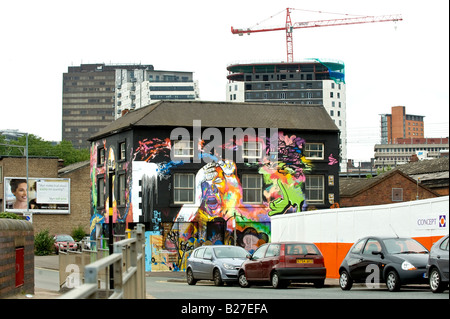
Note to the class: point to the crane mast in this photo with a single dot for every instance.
(289, 27)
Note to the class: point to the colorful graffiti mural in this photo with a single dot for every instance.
(219, 214)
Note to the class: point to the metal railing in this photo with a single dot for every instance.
(128, 272)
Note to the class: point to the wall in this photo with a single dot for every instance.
(16, 234)
(48, 168)
(335, 230)
(381, 193)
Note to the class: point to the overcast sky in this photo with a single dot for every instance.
(387, 64)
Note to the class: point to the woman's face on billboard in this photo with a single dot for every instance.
(21, 195)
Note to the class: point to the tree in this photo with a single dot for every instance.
(39, 147)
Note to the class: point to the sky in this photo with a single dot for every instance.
(387, 64)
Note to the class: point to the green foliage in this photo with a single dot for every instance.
(10, 215)
(38, 147)
(78, 233)
(43, 243)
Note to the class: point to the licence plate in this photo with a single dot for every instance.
(304, 261)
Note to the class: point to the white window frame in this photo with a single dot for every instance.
(318, 153)
(183, 148)
(189, 188)
(318, 188)
(251, 153)
(256, 190)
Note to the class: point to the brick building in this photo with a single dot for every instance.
(50, 167)
(388, 188)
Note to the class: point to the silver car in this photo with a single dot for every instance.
(217, 263)
(437, 268)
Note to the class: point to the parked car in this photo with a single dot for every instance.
(282, 263)
(86, 242)
(437, 268)
(64, 242)
(217, 263)
(394, 261)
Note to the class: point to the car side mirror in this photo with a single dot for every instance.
(249, 256)
(378, 253)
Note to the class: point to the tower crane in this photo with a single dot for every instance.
(289, 26)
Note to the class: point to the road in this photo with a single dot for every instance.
(168, 288)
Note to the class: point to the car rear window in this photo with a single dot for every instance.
(301, 249)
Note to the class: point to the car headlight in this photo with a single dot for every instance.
(228, 266)
(406, 265)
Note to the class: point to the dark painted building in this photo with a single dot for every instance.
(211, 172)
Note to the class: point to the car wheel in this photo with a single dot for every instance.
(190, 277)
(217, 278)
(345, 281)
(436, 283)
(319, 283)
(242, 280)
(393, 281)
(277, 283)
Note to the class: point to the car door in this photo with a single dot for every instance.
(442, 258)
(196, 262)
(253, 266)
(270, 260)
(369, 263)
(208, 264)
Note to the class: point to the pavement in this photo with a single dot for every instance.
(52, 263)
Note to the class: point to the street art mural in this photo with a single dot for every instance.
(218, 214)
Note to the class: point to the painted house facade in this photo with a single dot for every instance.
(201, 173)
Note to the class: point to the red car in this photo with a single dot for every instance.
(64, 243)
(282, 263)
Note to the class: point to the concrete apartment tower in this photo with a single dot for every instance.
(96, 94)
(308, 82)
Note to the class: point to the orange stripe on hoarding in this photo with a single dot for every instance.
(334, 253)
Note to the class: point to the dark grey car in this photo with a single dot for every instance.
(218, 263)
(437, 268)
(394, 261)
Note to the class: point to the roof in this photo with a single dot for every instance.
(433, 169)
(350, 187)
(224, 114)
(425, 166)
(73, 167)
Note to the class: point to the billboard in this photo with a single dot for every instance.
(42, 195)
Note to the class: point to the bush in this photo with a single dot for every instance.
(78, 233)
(10, 215)
(43, 243)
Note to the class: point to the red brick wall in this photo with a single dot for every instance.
(381, 193)
(14, 234)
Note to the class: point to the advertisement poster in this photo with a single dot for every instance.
(42, 195)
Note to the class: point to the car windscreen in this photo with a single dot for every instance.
(404, 246)
(64, 238)
(230, 252)
(301, 249)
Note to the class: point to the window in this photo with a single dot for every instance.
(100, 192)
(260, 252)
(252, 188)
(183, 188)
(101, 156)
(314, 189)
(397, 194)
(372, 246)
(273, 250)
(356, 249)
(314, 150)
(183, 148)
(122, 189)
(122, 151)
(252, 150)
